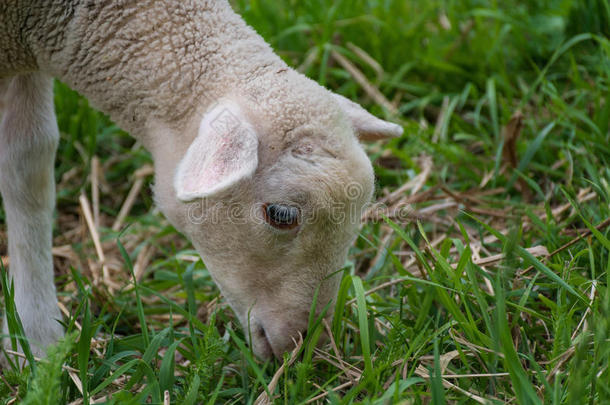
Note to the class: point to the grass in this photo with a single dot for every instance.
(492, 287)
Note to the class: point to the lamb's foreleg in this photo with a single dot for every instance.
(28, 141)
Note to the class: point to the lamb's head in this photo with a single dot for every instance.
(271, 195)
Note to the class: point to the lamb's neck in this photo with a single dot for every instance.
(150, 60)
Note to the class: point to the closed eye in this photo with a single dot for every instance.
(281, 216)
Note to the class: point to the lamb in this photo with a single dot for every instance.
(260, 167)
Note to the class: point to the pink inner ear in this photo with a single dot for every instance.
(222, 163)
(220, 156)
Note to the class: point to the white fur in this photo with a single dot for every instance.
(367, 127)
(165, 70)
(28, 139)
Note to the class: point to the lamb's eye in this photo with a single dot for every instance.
(281, 216)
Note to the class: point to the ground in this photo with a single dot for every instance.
(480, 276)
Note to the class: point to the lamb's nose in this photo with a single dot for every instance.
(272, 336)
(290, 340)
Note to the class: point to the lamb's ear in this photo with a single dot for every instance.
(223, 153)
(366, 125)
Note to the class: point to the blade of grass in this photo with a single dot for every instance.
(84, 348)
(15, 327)
(436, 379)
(136, 287)
(363, 326)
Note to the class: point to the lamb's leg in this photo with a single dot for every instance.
(28, 141)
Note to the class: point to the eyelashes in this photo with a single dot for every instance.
(281, 216)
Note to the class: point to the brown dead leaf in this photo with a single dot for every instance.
(3, 243)
(510, 134)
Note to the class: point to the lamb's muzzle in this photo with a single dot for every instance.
(231, 128)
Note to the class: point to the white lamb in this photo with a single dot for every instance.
(259, 166)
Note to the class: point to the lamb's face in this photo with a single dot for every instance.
(280, 238)
(273, 221)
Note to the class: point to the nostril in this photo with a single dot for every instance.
(260, 343)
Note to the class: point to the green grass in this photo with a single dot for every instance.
(419, 318)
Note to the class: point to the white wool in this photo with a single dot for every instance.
(165, 70)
